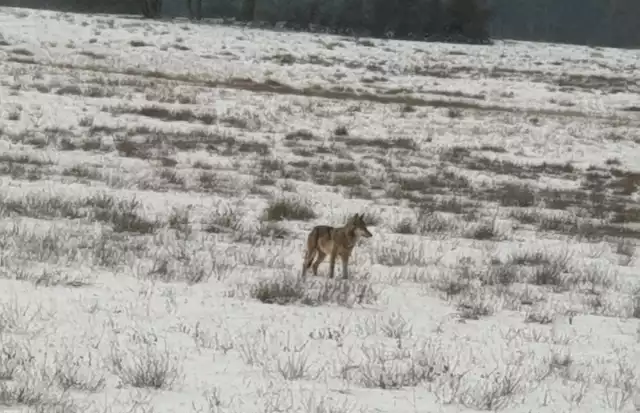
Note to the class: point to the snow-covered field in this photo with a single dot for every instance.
(145, 167)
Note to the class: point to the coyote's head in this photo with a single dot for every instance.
(359, 226)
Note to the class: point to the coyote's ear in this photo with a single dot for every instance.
(362, 216)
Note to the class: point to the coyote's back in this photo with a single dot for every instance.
(325, 240)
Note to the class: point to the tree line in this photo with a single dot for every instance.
(591, 22)
(457, 20)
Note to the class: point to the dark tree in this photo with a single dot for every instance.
(198, 12)
(409, 19)
(434, 22)
(469, 18)
(384, 12)
(247, 10)
(350, 16)
(151, 9)
(194, 8)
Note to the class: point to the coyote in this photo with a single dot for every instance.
(324, 240)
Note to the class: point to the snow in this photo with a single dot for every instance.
(85, 309)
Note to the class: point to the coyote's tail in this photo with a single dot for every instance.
(310, 254)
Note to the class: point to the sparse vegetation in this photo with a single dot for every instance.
(553, 273)
(166, 114)
(485, 230)
(287, 291)
(280, 209)
(121, 214)
(145, 366)
(402, 368)
(474, 304)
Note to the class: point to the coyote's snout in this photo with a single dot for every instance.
(324, 240)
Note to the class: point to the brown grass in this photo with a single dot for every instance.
(271, 86)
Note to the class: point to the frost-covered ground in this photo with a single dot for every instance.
(159, 179)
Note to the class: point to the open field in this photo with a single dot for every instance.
(158, 180)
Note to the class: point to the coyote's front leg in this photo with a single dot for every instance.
(332, 260)
(345, 265)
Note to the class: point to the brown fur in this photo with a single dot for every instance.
(335, 242)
